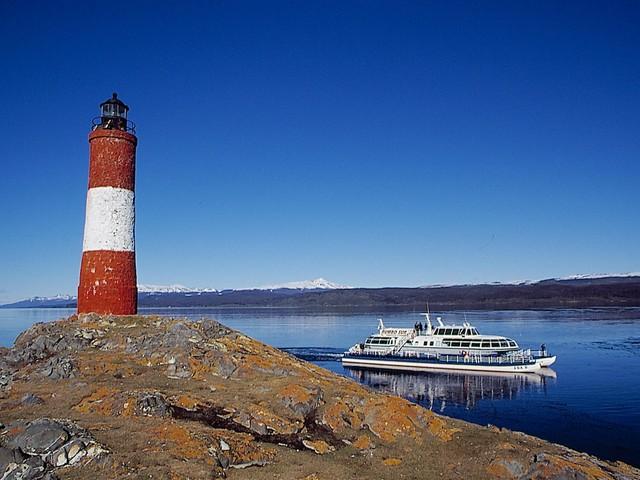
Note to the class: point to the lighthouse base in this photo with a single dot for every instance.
(108, 283)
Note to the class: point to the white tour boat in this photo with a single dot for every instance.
(447, 347)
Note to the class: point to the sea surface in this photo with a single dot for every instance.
(589, 400)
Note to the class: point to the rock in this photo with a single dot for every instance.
(5, 380)
(224, 446)
(75, 451)
(319, 446)
(153, 405)
(30, 399)
(34, 448)
(175, 370)
(255, 463)
(57, 368)
(8, 456)
(301, 400)
(58, 458)
(363, 442)
(223, 461)
(506, 468)
(178, 336)
(41, 437)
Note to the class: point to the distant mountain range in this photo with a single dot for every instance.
(576, 291)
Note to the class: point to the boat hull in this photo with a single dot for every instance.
(371, 361)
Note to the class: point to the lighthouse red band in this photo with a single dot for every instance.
(108, 283)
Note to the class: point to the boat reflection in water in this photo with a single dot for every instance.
(435, 390)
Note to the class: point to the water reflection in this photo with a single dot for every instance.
(437, 390)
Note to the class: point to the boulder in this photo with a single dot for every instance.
(9, 456)
(153, 405)
(34, 449)
(41, 437)
(30, 399)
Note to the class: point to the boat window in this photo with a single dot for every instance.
(503, 343)
(368, 340)
(486, 344)
(455, 344)
(465, 344)
(495, 344)
(475, 344)
(512, 343)
(431, 343)
(447, 331)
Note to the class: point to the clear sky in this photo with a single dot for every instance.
(371, 143)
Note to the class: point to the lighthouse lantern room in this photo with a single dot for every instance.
(113, 115)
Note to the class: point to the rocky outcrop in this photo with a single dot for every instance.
(31, 450)
(151, 397)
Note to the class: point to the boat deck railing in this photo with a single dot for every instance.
(519, 357)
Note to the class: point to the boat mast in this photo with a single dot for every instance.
(427, 316)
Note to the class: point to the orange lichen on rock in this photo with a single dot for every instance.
(243, 448)
(392, 417)
(499, 471)
(129, 407)
(185, 401)
(264, 417)
(555, 465)
(198, 369)
(100, 402)
(296, 392)
(339, 416)
(438, 427)
(101, 363)
(363, 442)
(319, 446)
(392, 462)
(187, 446)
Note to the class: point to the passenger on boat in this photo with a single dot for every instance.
(543, 349)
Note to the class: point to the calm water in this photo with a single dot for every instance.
(590, 401)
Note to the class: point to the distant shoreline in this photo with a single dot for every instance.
(552, 293)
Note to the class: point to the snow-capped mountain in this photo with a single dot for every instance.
(315, 284)
(593, 276)
(172, 289)
(51, 299)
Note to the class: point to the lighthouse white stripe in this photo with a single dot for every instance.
(110, 218)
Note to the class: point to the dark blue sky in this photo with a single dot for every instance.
(372, 143)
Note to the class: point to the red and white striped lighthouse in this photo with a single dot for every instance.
(108, 272)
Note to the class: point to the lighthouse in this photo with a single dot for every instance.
(108, 282)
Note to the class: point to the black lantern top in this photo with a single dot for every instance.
(113, 115)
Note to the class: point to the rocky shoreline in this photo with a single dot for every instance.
(104, 397)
